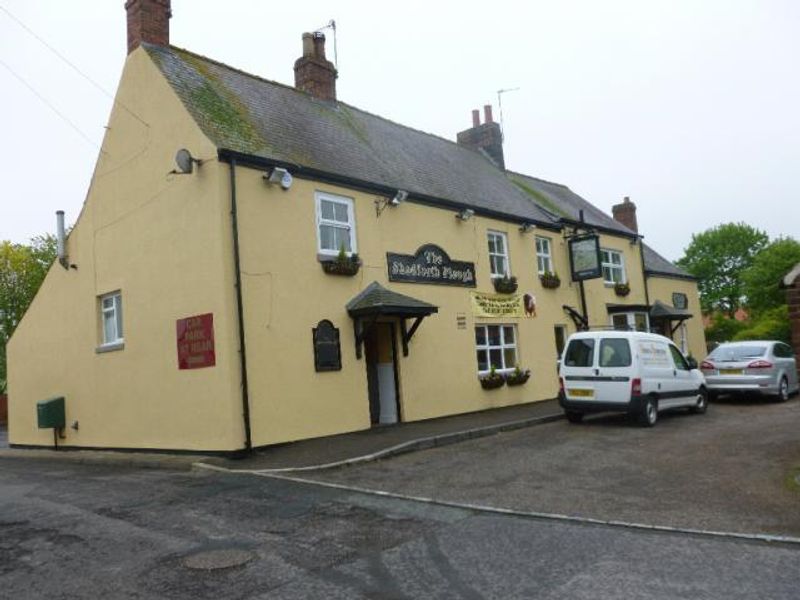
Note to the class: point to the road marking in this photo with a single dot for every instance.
(752, 537)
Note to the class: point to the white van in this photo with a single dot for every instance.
(627, 371)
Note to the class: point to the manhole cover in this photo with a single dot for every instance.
(212, 560)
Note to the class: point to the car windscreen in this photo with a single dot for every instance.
(738, 353)
(580, 353)
(615, 352)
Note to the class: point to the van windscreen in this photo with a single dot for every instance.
(615, 352)
(580, 353)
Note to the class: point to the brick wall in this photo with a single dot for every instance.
(3, 409)
(793, 301)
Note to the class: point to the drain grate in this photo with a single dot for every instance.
(212, 560)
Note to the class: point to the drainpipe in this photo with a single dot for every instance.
(248, 442)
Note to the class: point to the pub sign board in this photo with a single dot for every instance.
(430, 264)
(680, 300)
(584, 257)
(196, 342)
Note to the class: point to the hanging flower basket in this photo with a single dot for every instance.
(622, 289)
(550, 280)
(505, 285)
(492, 381)
(518, 377)
(347, 266)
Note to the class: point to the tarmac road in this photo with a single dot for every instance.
(71, 530)
(732, 469)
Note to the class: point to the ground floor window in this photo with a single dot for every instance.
(631, 321)
(496, 346)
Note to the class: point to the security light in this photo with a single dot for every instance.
(465, 214)
(526, 227)
(399, 197)
(281, 176)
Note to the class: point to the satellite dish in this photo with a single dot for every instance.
(185, 161)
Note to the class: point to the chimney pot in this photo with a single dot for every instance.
(486, 138)
(476, 117)
(313, 73)
(148, 21)
(625, 213)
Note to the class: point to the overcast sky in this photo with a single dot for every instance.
(690, 108)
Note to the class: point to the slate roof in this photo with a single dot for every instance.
(658, 265)
(566, 204)
(377, 300)
(254, 116)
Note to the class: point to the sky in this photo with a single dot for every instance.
(690, 108)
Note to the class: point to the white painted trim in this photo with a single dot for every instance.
(351, 221)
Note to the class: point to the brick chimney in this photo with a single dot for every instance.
(486, 136)
(148, 21)
(625, 213)
(313, 73)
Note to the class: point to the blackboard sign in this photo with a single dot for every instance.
(327, 353)
(430, 264)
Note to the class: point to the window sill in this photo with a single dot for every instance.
(112, 347)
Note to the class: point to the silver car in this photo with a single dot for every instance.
(767, 368)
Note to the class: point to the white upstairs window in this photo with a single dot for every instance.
(613, 266)
(336, 227)
(544, 259)
(498, 253)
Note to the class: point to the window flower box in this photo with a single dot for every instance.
(342, 265)
(518, 377)
(622, 289)
(550, 280)
(492, 381)
(505, 285)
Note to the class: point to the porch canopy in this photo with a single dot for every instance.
(375, 301)
(661, 311)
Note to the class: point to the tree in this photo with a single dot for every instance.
(718, 257)
(22, 270)
(760, 282)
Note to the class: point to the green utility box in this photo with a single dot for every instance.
(51, 414)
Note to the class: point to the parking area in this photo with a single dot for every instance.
(733, 469)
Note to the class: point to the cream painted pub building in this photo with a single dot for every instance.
(308, 268)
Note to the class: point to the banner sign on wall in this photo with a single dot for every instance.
(584, 257)
(496, 305)
(430, 264)
(196, 342)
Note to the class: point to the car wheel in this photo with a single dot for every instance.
(783, 390)
(648, 414)
(573, 416)
(701, 403)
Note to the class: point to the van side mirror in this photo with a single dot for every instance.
(691, 362)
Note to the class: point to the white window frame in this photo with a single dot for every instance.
(351, 222)
(630, 318)
(115, 310)
(502, 347)
(544, 255)
(610, 267)
(504, 255)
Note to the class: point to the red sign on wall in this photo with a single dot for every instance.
(196, 342)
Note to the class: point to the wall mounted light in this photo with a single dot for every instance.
(281, 176)
(465, 214)
(526, 227)
(396, 200)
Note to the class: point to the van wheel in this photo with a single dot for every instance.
(701, 403)
(648, 414)
(573, 416)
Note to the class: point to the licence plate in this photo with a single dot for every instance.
(731, 371)
(582, 393)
